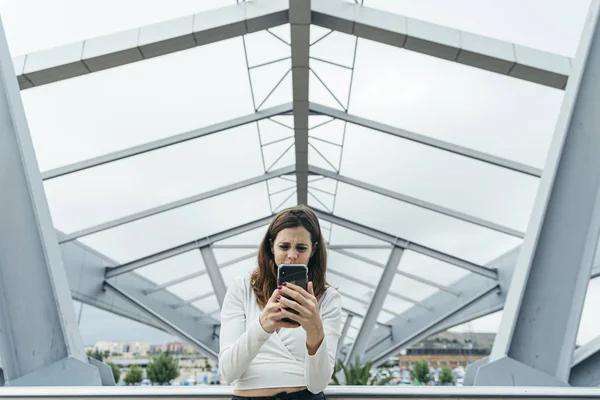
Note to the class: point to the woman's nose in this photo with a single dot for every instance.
(292, 255)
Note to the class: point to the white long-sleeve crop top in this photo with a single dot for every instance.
(251, 358)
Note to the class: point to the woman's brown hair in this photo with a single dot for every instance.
(264, 277)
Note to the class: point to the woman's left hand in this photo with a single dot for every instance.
(307, 306)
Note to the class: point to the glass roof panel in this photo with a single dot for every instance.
(264, 47)
(208, 306)
(321, 184)
(282, 32)
(252, 237)
(191, 288)
(239, 269)
(163, 231)
(429, 268)
(113, 190)
(512, 20)
(228, 255)
(321, 93)
(324, 155)
(442, 178)
(354, 268)
(345, 236)
(279, 154)
(290, 200)
(272, 84)
(86, 20)
(436, 231)
(380, 256)
(117, 108)
(334, 47)
(173, 268)
(280, 185)
(334, 79)
(452, 102)
(320, 200)
(271, 131)
(395, 305)
(410, 288)
(327, 129)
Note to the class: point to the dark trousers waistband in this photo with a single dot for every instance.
(301, 395)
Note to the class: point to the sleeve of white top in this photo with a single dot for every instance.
(238, 345)
(318, 368)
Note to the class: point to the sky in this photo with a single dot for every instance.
(107, 111)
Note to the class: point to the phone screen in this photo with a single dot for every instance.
(293, 273)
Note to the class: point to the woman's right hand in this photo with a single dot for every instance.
(270, 317)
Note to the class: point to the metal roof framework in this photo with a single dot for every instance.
(302, 163)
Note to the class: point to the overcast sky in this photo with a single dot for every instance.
(107, 111)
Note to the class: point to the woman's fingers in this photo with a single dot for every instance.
(297, 289)
(294, 294)
(294, 306)
(295, 317)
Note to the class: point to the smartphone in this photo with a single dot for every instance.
(296, 274)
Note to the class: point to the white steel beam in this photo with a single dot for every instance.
(427, 141)
(184, 248)
(85, 271)
(214, 273)
(121, 48)
(443, 42)
(478, 297)
(40, 343)
(552, 274)
(398, 272)
(165, 142)
(300, 19)
(175, 204)
(416, 202)
(175, 281)
(168, 325)
(358, 346)
(585, 368)
(375, 288)
(407, 245)
(344, 333)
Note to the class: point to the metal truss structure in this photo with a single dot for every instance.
(539, 295)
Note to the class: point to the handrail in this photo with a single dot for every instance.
(363, 392)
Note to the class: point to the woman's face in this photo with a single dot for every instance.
(292, 246)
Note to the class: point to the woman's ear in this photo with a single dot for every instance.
(314, 250)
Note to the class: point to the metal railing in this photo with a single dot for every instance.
(339, 392)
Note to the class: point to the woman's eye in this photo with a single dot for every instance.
(301, 248)
(283, 247)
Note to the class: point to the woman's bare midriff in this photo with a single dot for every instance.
(266, 392)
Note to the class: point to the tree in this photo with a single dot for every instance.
(206, 365)
(95, 354)
(162, 369)
(420, 372)
(446, 376)
(116, 372)
(357, 374)
(134, 375)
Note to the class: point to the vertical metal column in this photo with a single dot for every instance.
(358, 347)
(40, 342)
(536, 338)
(214, 273)
(344, 333)
(300, 19)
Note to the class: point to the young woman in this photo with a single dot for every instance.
(262, 355)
